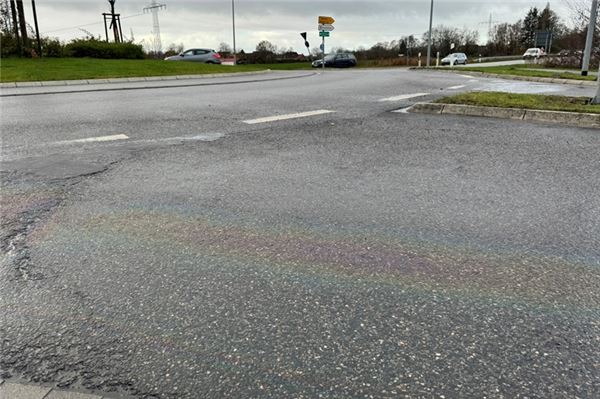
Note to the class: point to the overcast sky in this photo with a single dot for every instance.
(206, 23)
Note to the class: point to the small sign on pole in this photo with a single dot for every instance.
(325, 26)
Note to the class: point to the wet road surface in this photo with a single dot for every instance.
(349, 253)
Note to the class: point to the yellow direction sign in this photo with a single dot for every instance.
(326, 20)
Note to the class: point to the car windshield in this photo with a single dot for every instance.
(329, 57)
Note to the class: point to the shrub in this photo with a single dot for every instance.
(10, 46)
(100, 49)
(52, 48)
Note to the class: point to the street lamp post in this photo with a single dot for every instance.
(429, 38)
(596, 98)
(233, 22)
(590, 38)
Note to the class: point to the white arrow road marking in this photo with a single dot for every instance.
(404, 97)
(94, 139)
(455, 87)
(288, 116)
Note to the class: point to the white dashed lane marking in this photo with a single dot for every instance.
(404, 97)
(455, 87)
(287, 116)
(94, 139)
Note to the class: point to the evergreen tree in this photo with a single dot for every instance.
(530, 26)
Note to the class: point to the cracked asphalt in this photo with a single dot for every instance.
(358, 253)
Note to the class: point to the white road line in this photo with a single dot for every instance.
(404, 97)
(288, 116)
(455, 87)
(466, 76)
(94, 139)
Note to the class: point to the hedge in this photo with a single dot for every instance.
(100, 49)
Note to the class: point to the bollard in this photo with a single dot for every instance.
(419, 60)
(437, 60)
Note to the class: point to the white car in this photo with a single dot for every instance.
(534, 53)
(454, 59)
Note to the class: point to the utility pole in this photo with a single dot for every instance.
(233, 22)
(37, 30)
(22, 24)
(590, 38)
(429, 39)
(154, 7)
(15, 21)
(113, 22)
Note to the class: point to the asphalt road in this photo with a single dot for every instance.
(173, 243)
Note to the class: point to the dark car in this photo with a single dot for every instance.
(340, 60)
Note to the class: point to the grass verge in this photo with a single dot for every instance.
(43, 69)
(525, 101)
(528, 71)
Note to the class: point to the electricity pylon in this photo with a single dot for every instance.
(154, 7)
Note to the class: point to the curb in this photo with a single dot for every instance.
(561, 117)
(81, 82)
(516, 77)
(172, 83)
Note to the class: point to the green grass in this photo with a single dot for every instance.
(31, 70)
(526, 101)
(526, 70)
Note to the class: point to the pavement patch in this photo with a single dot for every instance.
(9, 390)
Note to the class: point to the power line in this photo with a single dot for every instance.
(90, 24)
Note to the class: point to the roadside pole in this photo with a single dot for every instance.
(323, 45)
(37, 30)
(596, 98)
(429, 38)
(590, 38)
(325, 27)
(233, 23)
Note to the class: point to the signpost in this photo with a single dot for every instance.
(325, 26)
(326, 20)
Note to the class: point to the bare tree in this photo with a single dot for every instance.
(580, 12)
(224, 48)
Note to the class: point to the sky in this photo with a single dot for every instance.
(207, 23)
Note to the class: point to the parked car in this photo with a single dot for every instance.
(454, 59)
(534, 53)
(197, 55)
(340, 60)
(570, 53)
